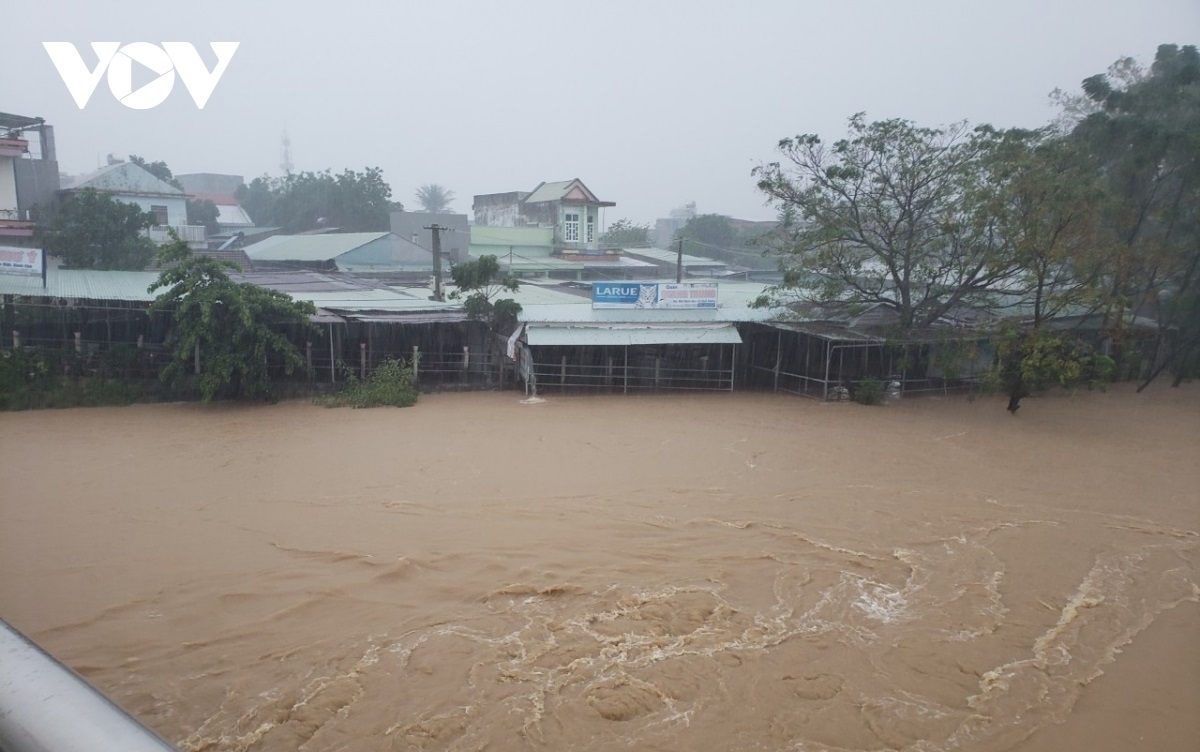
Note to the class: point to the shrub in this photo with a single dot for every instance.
(391, 383)
(869, 392)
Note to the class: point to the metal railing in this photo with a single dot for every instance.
(659, 374)
(187, 233)
(47, 707)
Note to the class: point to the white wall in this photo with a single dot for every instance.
(8, 185)
(176, 207)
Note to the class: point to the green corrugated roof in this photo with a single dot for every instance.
(82, 284)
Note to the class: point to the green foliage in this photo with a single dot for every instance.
(203, 212)
(1143, 138)
(434, 198)
(869, 392)
(891, 214)
(1030, 361)
(92, 230)
(624, 233)
(478, 283)
(708, 231)
(235, 325)
(392, 383)
(157, 168)
(350, 201)
(1044, 199)
(33, 379)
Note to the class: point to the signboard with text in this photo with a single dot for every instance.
(654, 295)
(21, 261)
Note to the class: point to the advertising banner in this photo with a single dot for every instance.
(21, 261)
(654, 295)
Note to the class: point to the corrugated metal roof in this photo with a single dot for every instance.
(670, 257)
(324, 247)
(560, 190)
(383, 300)
(82, 284)
(632, 334)
(228, 214)
(552, 191)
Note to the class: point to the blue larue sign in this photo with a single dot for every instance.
(624, 295)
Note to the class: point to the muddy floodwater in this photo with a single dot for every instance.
(716, 572)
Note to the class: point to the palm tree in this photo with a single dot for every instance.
(434, 198)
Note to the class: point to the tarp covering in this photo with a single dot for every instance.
(610, 335)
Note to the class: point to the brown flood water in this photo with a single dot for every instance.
(717, 572)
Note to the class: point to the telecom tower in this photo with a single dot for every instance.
(286, 164)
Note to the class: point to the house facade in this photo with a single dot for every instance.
(28, 173)
(131, 184)
(567, 207)
(222, 191)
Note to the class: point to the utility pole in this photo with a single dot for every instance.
(437, 259)
(679, 262)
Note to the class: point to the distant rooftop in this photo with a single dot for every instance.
(124, 177)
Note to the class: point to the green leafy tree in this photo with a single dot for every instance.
(624, 233)
(92, 230)
(236, 326)
(1143, 137)
(434, 198)
(1044, 201)
(350, 201)
(478, 283)
(889, 215)
(708, 232)
(158, 169)
(1031, 360)
(203, 212)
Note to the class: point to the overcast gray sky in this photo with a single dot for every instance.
(650, 103)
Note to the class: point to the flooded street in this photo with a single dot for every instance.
(734, 572)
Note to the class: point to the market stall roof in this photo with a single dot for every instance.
(614, 334)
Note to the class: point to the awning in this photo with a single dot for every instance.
(615, 335)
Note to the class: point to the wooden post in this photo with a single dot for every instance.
(332, 357)
(608, 372)
(625, 390)
(78, 342)
(562, 376)
(807, 360)
(16, 339)
(657, 369)
(416, 359)
(466, 361)
(141, 341)
(778, 358)
(362, 361)
(828, 358)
